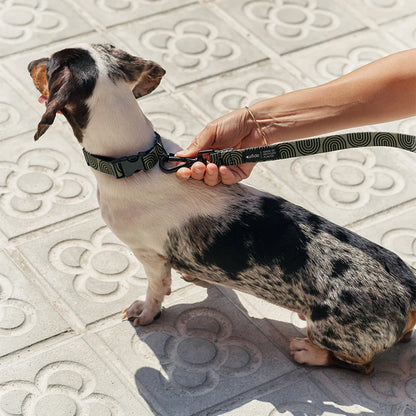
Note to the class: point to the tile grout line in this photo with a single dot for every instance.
(382, 215)
(51, 294)
(52, 228)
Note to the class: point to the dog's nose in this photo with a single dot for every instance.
(37, 62)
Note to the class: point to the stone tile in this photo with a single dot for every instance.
(114, 12)
(383, 10)
(66, 380)
(390, 390)
(350, 185)
(171, 118)
(42, 183)
(90, 268)
(341, 56)
(404, 29)
(202, 351)
(26, 316)
(16, 116)
(395, 230)
(304, 397)
(27, 24)
(191, 44)
(291, 25)
(243, 87)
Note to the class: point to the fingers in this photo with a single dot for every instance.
(198, 171)
(212, 175)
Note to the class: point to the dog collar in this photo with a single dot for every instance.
(126, 166)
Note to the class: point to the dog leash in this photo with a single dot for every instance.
(126, 166)
(295, 148)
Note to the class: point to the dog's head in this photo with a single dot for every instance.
(67, 80)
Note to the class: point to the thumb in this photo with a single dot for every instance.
(190, 151)
(202, 141)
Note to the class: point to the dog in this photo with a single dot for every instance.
(357, 297)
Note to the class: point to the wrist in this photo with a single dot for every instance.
(257, 126)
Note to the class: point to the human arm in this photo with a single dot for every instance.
(381, 91)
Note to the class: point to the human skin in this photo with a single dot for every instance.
(381, 91)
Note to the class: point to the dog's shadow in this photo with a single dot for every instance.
(210, 357)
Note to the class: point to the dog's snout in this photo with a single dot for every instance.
(37, 62)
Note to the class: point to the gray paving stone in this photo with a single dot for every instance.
(350, 185)
(28, 24)
(90, 268)
(26, 316)
(291, 25)
(341, 56)
(71, 380)
(243, 87)
(383, 10)
(64, 278)
(113, 12)
(191, 43)
(403, 29)
(200, 353)
(16, 116)
(42, 183)
(171, 118)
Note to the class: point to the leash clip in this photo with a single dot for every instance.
(203, 156)
(170, 157)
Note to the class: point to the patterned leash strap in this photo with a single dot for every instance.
(305, 147)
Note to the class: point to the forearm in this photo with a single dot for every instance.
(382, 91)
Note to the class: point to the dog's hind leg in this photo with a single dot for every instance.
(158, 271)
(304, 351)
(408, 331)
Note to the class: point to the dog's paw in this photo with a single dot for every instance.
(304, 352)
(140, 314)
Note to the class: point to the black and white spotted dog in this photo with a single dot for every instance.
(358, 298)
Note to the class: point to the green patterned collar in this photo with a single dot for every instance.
(126, 166)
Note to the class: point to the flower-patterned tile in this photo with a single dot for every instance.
(25, 24)
(172, 118)
(289, 25)
(42, 183)
(114, 12)
(341, 56)
(201, 352)
(382, 11)
(349, 185)
(390, 390)
(191, 44)
(95, 273)
(303, 397)
(242, 87)
(69, 379)
(404, 29)
(26, 317)
(16, 116)
(395, 230)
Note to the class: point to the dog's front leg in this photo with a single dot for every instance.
(158, 272)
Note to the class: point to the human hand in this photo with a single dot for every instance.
(236, 130)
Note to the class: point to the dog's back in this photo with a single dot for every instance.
(355, 294)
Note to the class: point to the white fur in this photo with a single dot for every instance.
(141, 209)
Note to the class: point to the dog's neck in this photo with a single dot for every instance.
(117, 127)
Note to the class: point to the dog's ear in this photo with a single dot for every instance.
(143, 75)
(148, 77)
(59, 92)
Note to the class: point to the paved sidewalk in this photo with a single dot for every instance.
(64, 278)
